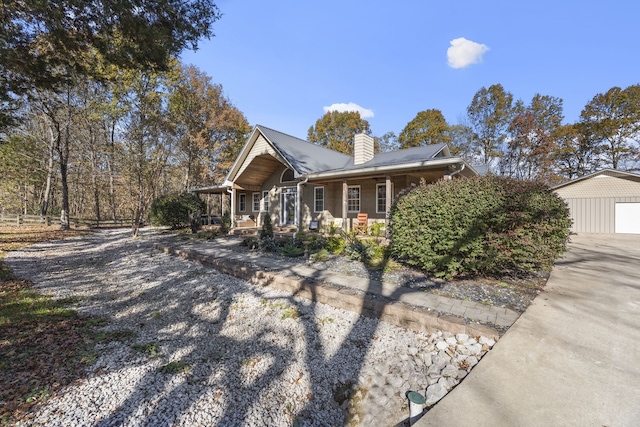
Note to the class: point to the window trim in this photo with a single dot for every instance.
(315, 199)
(349, 210)
(264, 205)
(385, 200)
(293, 175)
(242, 200)
(255, 200)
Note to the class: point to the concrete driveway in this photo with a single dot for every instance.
(573, 358)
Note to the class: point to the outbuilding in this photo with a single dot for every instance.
(607, 201)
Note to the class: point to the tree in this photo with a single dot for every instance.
(147, 142)
(335, 130)
(209, 128)
(461, 144)
(531, 143)
(613, 120)
(576, 155)
(387, 142)
(427, 128)
(47, 43)
(490, 113)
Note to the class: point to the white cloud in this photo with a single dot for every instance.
(351, 106)
(463, 52)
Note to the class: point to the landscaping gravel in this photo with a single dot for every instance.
(192, 347)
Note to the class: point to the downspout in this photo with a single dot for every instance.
(299, 203)
(456, 172)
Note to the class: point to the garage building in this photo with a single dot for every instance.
(603, 202)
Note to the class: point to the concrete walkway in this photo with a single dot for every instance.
(573, 358)
(407, 302)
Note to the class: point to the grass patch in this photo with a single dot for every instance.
(44, 344)
(175, 367)
(150, 349)
(122, 335)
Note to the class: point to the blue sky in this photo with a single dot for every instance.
(283, 63)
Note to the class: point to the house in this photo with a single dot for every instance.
(302, 185)
(607, 201)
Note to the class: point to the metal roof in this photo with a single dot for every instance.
(303, 156)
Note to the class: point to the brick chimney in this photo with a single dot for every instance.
(362, 148)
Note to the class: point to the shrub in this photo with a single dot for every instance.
(269, 244)
(225, 227)
(292, 249)
(321, 256)
(485, 225)
(250, 242)
(335, 244)
(176, 210)
(210, 234)
(267, 227)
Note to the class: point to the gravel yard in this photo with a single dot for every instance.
(193, 347)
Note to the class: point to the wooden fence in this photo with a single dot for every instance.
(25, 220)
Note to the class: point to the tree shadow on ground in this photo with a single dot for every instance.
(234, 362)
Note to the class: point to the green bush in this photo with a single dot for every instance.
(335, 244)
(485, 225)
(291, 249)
(176, 210)
(321, 256)
(267, 227)
(225, 227)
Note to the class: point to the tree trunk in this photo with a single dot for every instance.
(64, 212)
(47, 190)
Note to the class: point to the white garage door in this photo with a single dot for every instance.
(628, 218)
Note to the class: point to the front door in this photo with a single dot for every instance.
(288, 205)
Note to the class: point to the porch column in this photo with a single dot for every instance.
(233, 207)
(345, 193)
(388, 195)
(208, 208)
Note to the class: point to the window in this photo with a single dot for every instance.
(256, 202)
(353, 198)
(318, 197)
(287, 176)
(381, 198)
(265, 201)
(242, 202)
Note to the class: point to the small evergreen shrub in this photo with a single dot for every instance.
(321, 256)
(225, 227)
(487, 225)
(177, 210)
(267, 227)
(335, 244)
(269, 244)
(290, 249)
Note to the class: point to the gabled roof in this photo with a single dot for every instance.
(303, 156)
(607, 172)
(312, 160)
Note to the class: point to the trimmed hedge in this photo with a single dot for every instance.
(176, 210)
(480, 225)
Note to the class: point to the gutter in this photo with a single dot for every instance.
(386, 169)
(451, 175)
(299, 203)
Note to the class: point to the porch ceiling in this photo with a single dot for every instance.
(258, 171)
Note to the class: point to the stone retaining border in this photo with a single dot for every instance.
(364, 303)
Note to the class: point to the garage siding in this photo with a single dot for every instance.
(592, 200)
(597, 214)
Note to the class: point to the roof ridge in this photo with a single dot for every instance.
(282, 133)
